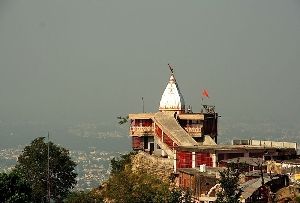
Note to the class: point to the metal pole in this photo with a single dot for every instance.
(143, 105)
(48, 170)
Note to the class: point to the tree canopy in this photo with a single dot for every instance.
(229, 181)
(84, 196)
(118, 164)
(123, 119)
(14, 189)
(33, 167)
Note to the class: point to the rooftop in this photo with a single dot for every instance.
(210, 171)
(220, 147)
(247, 160)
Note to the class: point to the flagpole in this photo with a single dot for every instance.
(201, 104)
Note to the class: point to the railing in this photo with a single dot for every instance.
(265, 143)
(137, 130)
(193, 130)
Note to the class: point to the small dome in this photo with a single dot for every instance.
(172, 99)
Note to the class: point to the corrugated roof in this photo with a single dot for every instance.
(251, 186)
(248, 160)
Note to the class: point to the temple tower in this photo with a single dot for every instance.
(172, 99)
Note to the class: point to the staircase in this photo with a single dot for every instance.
(170, 133)
(169, 125)
(166, 148)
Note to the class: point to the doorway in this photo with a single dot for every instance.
(151, 146)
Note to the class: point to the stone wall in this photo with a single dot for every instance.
(161, 167)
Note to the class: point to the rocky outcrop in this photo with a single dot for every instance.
(161, 167)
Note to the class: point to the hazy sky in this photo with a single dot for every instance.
(77, 60)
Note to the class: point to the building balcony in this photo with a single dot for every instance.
(141, 130)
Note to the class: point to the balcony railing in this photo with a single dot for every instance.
(193, 130)
(141, 130)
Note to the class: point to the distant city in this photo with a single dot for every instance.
(93, 167)
(92, 148)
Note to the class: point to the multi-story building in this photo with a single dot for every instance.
(190, 138)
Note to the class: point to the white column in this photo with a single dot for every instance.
(214, 160)
(174, 161)
(193, 160)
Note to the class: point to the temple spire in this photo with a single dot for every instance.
(172, 99)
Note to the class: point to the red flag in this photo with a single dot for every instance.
(205, 93)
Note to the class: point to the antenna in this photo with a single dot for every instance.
(48, 169)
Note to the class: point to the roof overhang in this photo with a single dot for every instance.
(191, 116)
(141, 116)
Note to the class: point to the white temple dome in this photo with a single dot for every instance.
(172, 99)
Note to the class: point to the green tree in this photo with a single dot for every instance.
(127, 186)
(84, 196)
(123, 119)
(14, 189)
(118, 164)
(229, 181)
(297, 199)
(33, 166)
(178, 195)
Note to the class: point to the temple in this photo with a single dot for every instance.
(191, 138)
(188, 142)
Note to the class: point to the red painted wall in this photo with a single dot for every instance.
(141, 122)
(158, 131)
(183, 159)
(137, 143)
(203, 158)
(166, 139)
